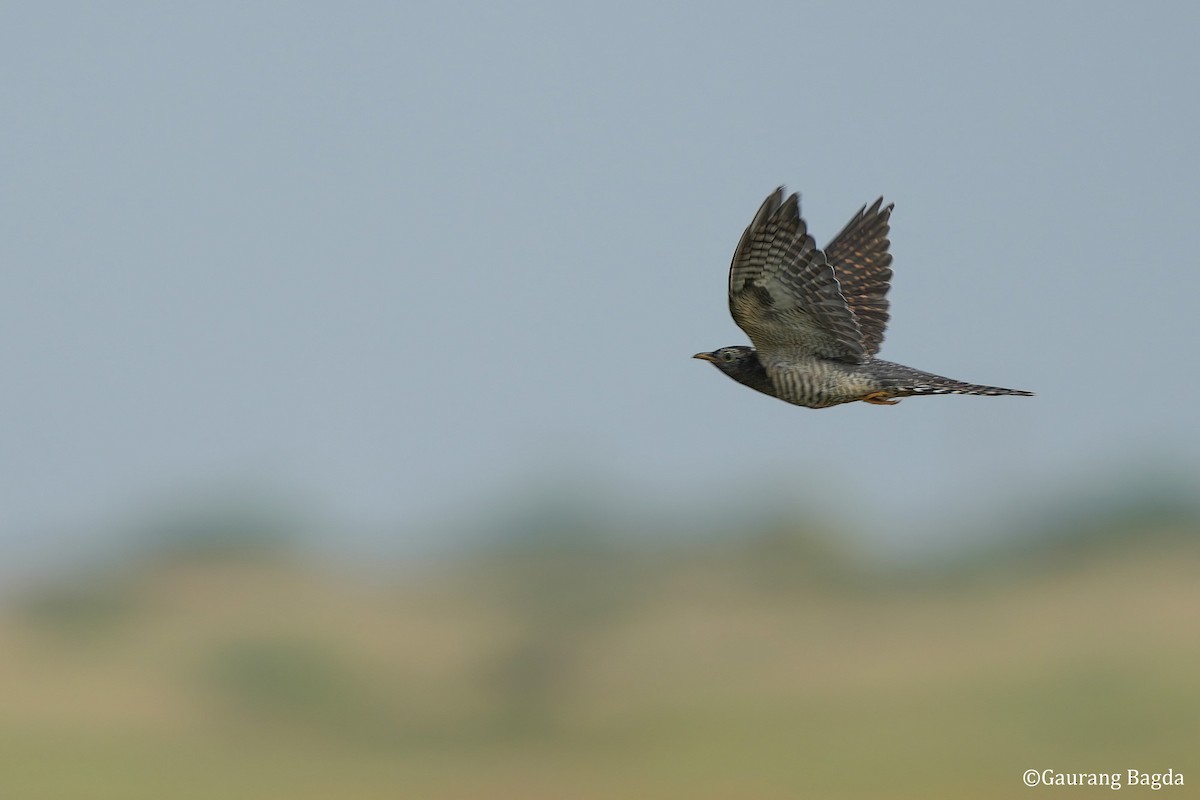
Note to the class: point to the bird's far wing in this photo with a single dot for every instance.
(782, 290)
(860, 259)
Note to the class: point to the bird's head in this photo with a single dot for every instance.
(730, 359)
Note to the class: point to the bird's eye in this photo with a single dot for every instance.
(727, 356)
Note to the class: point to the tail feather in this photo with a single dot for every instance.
(901, 381)
(949, 386)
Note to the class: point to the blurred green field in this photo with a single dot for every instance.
(718, 669)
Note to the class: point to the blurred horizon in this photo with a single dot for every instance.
(572, 495)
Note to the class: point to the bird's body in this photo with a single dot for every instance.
(821, 382)
(817, 318)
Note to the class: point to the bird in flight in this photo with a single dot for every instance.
(816, 318)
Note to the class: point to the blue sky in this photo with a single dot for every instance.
(401, 259)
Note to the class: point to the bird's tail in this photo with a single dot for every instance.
(949, 386)
(909, 382)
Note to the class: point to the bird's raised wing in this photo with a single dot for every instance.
(861, 261)
(784, 293)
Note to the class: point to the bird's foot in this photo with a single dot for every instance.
(880, 399)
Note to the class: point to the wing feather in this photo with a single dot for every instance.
(860, 259)
(784, 293)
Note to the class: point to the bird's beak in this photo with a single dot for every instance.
(705, 357)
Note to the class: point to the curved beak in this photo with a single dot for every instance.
(705, 357)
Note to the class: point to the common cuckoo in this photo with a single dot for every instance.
(816, 318)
